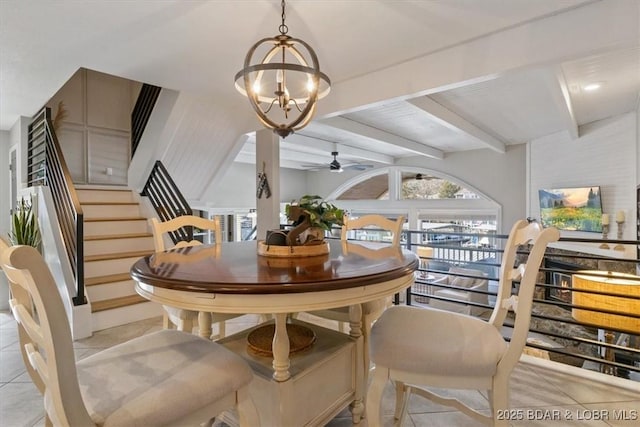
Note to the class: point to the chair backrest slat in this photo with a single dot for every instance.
(526, 273)
(378, 221)
(160, 228)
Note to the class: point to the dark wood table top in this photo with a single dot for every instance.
(236, 268)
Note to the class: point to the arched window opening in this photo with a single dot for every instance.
(420, 186)
(373, 188)
(438, 205)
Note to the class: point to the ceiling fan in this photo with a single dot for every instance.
(336, 166)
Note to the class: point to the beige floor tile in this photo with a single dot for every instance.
(625, 414)
(563, 415)
(532, 388)
(444, 419)
(588, 391)
(11, 365)
(8, 336)
(472, 398)
(528, 389)
(21, 405)
(6, 320)
(119, 334)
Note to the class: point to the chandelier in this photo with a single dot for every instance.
(285, 85)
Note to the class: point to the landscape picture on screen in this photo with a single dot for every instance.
(575, 209)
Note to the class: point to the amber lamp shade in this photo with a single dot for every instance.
(425, 252)
(620, 293)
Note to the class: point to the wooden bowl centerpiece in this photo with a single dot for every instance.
(310, 216)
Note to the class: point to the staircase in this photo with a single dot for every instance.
(116, 235)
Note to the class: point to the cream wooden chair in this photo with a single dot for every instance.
(163, 378)
(185, 320)
(415, 347)
(18, 292)
(370, 310)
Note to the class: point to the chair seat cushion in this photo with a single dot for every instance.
(462, 282)
(435, 342)
(158, 378)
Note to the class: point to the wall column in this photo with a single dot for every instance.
(268, 162)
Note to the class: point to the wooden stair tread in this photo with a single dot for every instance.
(108, 203)
(109, 278)
(110, 304)
(79, 187)
(120, 218)
(103, 257)
(117, 236)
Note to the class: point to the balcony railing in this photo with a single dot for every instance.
(456, 274)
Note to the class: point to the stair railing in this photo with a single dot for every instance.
(46, 166)
(141, 113)
(167, 200)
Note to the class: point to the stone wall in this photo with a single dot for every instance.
(560, 318)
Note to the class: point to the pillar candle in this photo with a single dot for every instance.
(605, 219)
(620, 216)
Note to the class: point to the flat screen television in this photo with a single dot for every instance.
(574, 209)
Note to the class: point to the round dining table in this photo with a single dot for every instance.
(233, 278)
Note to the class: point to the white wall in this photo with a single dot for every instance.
(5, 202)
(606, 155)
(95, 135)
(237, 188)
(5, 205)
(638, 143)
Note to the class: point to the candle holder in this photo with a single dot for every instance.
(619, 247)
(605, 235)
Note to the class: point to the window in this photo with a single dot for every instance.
(418, 186)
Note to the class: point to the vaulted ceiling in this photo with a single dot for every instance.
(410, 78)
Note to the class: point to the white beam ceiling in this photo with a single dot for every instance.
(300, 141)
(451, 120)
(562, 100)
(369, 132)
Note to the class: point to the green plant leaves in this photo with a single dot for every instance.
(24, 226)
(321, 214)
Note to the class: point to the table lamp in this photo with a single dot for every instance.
(425, 253)
(616, 292)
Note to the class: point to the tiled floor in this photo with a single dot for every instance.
(539, 397)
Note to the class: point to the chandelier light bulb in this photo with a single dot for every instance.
(310, 85)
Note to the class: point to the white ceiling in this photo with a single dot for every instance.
(198, 46)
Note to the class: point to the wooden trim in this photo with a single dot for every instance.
(110, 278)
(117, 236)
(136, 254)
(110, 304)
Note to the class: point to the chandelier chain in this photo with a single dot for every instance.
(283, 27)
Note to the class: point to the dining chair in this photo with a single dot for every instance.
(417, 347)
(167, 377)
(17, 292)
(370, 310)
(185, 320)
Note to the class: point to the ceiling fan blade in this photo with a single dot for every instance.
(358, 166)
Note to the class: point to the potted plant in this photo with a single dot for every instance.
(312, 213)
(24, 224)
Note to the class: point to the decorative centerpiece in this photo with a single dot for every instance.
(310, 217)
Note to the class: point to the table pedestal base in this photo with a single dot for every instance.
(322, 382)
